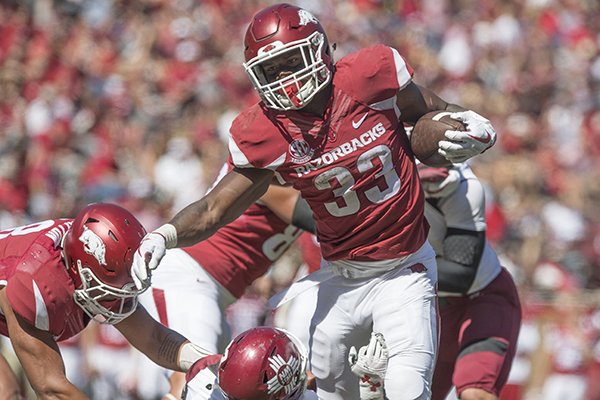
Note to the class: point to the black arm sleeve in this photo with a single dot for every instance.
(303, 216)
(463, 249)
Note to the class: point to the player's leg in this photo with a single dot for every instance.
(405, 312)
(299, 313)
(450, 317)
(332, 332)
(489, 340)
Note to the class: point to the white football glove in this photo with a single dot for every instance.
(369, 363)
(146, 258)
(151, 250)
(462, 145)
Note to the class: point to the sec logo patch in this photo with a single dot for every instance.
(300, 151)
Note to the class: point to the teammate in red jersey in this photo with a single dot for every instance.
(479, 304)
(335, 132)
(56, 275)
(195, 284)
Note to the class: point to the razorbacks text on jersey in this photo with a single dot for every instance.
(354, 167)
(38, 286)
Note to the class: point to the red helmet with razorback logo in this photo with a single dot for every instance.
(263, 364)
(290, 37)
(98, 250)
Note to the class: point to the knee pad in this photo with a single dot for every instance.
(404, 383)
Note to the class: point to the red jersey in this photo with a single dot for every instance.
(239, 253)
(354, 167)
(38, 286)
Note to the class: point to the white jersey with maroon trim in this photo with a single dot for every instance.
(38, 286)
(463, 209)
(354, 167)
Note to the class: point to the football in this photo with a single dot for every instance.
(427, 133)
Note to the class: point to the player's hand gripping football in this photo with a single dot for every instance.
(369, 363)
(462, 145)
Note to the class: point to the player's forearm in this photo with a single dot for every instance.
(162, 345)
(48, 380)
(200, 220)
(227, 201)
(9, 384)
(197, 222)
(167, 353)
(69, 392)
(156, 341)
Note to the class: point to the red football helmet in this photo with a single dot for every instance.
(279, 32)
(263, 364)
(98, 250)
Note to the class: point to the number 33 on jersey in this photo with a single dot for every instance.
(354, 166)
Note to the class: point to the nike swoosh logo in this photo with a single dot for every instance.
(358, 123)
(485, 140)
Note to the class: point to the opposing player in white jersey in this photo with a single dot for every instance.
(271, 364)
(336, 133)
(479, 304)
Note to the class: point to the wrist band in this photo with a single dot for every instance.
(169, 232)
(189, 354)
(169, 396)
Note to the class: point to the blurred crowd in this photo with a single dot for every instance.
(131, 101)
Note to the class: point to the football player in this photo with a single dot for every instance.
(271, 364)
(194, 285)
(336, 133)
(479, 304)
(58, 275)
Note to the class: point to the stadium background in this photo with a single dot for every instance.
(130, 102)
